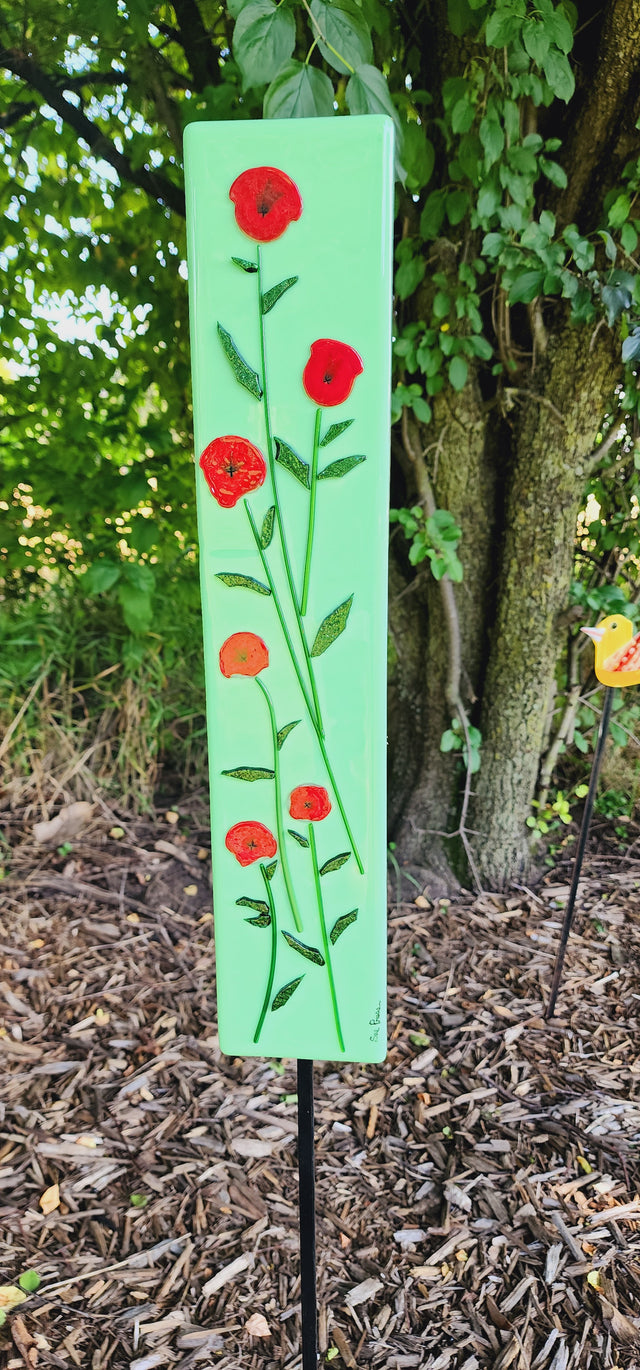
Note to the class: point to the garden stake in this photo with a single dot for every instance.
(577, 867)
(307, 1216)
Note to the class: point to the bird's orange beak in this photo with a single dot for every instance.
(596, 634)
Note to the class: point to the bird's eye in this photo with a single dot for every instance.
(614, 625)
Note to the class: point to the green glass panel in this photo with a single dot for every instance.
(291, 353)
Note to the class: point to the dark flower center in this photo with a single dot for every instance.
(251, 844)
(327, 378)
(268, 199)
(230, 468)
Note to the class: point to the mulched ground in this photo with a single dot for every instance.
(477, 1194)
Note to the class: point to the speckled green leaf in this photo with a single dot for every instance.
(298, 837)
(257, 904)
(331, 627)
(270, 870)
(340, 467)
(341, 924)
(267, 527)
(250, 773)
(284, 994)
(311, 953)
(292, 462)
(262, 921)
(272, 296)
(284, 732)
(334, 431)
(335, 862)
(244, 264)
(241, 369)
(235, 578)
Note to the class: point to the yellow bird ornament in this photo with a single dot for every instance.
(617, 651)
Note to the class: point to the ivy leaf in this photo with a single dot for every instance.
(346, 41)
(283, 734)
(272, 296)
(263, 38)
(299, 92)
(334, 431)
(554, 172)
(368, 93)
(244, 264)
(536, 39)
(341, 924)
(270, 870)
(331, 627)
(247, 582)
(262, 921)
(267, 527)
(257, 904)
(284, 994)
(458, 372)
(335, 862)
(250, 773)
(340, 467)
(311, 953)
(557, 70)
(631, 347)
(526, 287)
(241, 369)
(292, 462)
(302, 841)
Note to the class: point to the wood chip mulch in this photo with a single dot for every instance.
(477, 1194)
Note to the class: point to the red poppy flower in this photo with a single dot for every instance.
(309, 801)
(330, 371)
(232, 467)
(266, 201)
(250, 842)
(243, 654)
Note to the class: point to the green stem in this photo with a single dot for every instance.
(274, 953)
(276, 500)
(312, 513)
(325, 939)
(281, 842)
(296, 666)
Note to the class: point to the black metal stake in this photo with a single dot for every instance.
(307, 1202)
(582, 842)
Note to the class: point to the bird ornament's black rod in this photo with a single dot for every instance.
(307, 1202)
(582, 842)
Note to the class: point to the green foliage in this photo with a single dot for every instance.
(434, 538)
(453, 740)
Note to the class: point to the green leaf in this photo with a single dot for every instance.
(311, 953)
(628, 237)
(367, 93)
(554, 173)
(262, 921)
(136, 608)
(299, 92)
(335, 862)
(100, 577)
(272, 296)
(557, 70)
(270, 870)
(331, 627)
(341, 924)
(284, 994)
(283, 734)
(263, 38)
(502, 27)
(234, 578)
(418, 155)
(257, 904)
(340, 467)
(458, 372)
(619, 211)
(292, 462)
(29, 1280)
(536, 40)
(298, 837)
(526, 287)
(244, 264)
(250, 773)
(334, 432)
(342, 35)
(457, 206)
(267, 527)
(241, 370)
(631, 347)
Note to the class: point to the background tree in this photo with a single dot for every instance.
(517, 333)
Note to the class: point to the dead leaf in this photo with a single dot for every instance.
(66, 824)
(10, 1297)
(257, 1326)
(498, 1319)
(24, 1342)
(171, 816)
(50, 1200)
